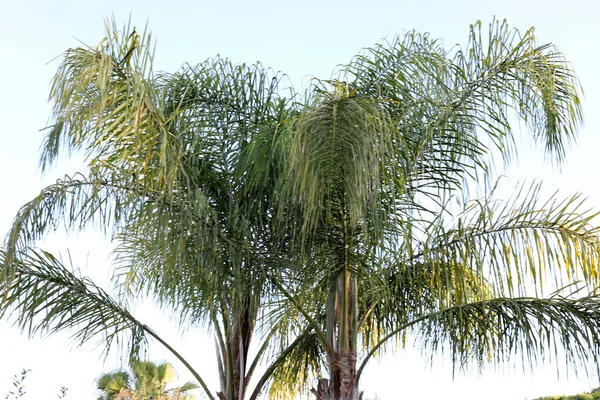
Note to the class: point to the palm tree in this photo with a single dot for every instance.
(377, 162)
(326, 223)
(114, 385)
(166, 172)
(150, 381)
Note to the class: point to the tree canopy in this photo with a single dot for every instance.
(317, 226)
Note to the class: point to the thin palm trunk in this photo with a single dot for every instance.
(233, 346)
(342, 324)
(342, 383)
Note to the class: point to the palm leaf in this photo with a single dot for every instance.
(521, 242)
(45, 297)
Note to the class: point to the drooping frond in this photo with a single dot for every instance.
(105, 102)
(561, 328)
(302, 364)
(558, 327)
(452, 109)
(45, 297)
(410, 77)
(72, 202)
(506, 70)
(109, 202)
(399, 292)
(521, 242)
(334, 159)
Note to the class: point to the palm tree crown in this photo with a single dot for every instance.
(324, 224)
(150, 381)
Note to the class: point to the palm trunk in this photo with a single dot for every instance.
(342, 326)
(233, 346)
(342, 334)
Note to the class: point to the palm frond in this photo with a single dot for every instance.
(334, 160)
(302, 363)
(112, 383)
(560, 327)
(104, 101)
(72, 202)
(45, 297)
(452, 109)
(521, 242)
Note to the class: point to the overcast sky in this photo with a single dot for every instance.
(302, 39)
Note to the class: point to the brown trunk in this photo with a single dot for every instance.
(347, 379)
(238, 335)
(238, 349)
(324, 391)
(343, 385)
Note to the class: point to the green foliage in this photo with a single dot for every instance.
(148, 380)
(321, 225)
(593, 395)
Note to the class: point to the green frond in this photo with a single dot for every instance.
(395, 294)
(112, 383)
(536, 329)
(72, 202)
(300, 366)
(45, 297)
(535, 81)
(335, 159)
(521, 242)
(451, 110)
(104, 100)
(149, 380)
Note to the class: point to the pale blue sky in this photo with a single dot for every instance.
(301, 39)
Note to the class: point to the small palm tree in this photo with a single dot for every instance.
(114, 385)
(149, 381)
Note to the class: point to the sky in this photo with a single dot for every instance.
(302, 39)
